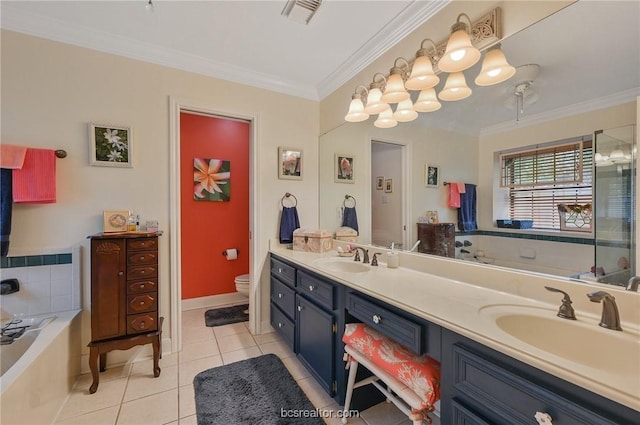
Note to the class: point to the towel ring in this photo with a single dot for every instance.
(346, 198)
(287, 196)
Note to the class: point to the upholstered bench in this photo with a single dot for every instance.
(412, 381)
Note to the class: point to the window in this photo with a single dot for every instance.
(543, 180)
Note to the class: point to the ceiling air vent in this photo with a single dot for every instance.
(301, 11)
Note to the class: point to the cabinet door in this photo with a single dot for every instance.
(315, 340)
(108, 290)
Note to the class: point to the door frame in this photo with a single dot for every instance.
(176, 106)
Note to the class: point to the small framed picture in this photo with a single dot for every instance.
(344, 168)
(289, 163)
(388, 185)
(110, 145)
(379, 183)
(115, 221)
(432, 216)
(431, 175)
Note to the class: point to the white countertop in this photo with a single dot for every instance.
(470, 307)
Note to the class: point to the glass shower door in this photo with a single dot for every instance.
(614, 212)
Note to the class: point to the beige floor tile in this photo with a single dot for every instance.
(234, 328)
(159, 408)
(198, 350)
(144, 385)
(241, 354)
(112, 372)
(186, 401)
(318, 396)
(332, 415)
(193, 316)
(194, 334)
(296, 369)
(145, 367)
(109, 394)
(189, 420)
(384, 414)
(187, 371)
(106, 416)
(235, 342)
(278, 348)
(268, 337)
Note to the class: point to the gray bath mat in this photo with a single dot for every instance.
(258, 391)
(226, 315)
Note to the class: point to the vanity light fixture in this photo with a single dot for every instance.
(422, 76)
(356, 108)
(394, 91)
(495, 68)
(427, 101)
(405, 112)
(455, 88)
(460, 54)
(375, 105)
(385, 119)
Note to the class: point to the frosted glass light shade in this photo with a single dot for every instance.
(356, 110)
(395, 91)
(460, 54)
(422, 76)
(375, 105)
(495, 69)
(385, 119)
(427, 101)
(455, 88)
(404, 111)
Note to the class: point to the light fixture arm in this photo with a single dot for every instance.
(461, 25)
(403, 71)
(359, 95)
(425, 52)
(378, 84)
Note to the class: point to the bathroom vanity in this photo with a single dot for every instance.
(487, 377)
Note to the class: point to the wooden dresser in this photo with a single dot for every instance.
(124, 296)
(437, 239)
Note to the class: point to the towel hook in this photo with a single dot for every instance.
(287, 196)
(346, 198)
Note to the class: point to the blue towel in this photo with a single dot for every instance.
(288, 223)
(350, 218)
(467, 220)
(6, 204)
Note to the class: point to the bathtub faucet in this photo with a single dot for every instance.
(610, 316)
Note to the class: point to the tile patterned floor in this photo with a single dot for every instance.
(130, 395)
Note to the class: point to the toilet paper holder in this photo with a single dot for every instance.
(225, 252)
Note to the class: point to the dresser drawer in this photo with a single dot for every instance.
(284, 272)
(142, 286)
(142, 257)
(142, 322)
(316, 289)
(142, 272)
(282, 325)
(142, 244)
(142, 302)
(284, 297)
(400, 329)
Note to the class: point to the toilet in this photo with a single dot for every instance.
(242, 284)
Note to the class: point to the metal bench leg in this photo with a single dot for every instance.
(353, 369)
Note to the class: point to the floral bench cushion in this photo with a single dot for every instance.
(419, 373)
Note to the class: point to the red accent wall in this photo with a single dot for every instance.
(208, 228)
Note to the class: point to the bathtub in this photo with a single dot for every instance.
(535, 268)
(41, 369)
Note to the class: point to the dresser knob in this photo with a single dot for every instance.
(141, 286)
(141, 302)
(279, 270)
(377, 319)
(300, 308)
(543, 418)
(120, 273)
(312, 288)
(279, 295)
(279, 324)
(142, 258)
(142, 326)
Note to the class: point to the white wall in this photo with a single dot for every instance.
(51, 91)
(386, 207)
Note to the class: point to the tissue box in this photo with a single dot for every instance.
(346, 234)
(312, 240)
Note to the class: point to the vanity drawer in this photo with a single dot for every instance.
(284, 297)
(284, 272)
(316, 289)
(142, 244)
(400, 329)
(282, 325)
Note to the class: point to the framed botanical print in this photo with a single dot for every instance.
(431, 175)
(289, 163)
(344, 168)
(110, 145)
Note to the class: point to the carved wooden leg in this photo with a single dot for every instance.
(93, 365)
(156, 354)
(103, 362)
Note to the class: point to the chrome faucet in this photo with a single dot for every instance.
(610, 316)
(566, 310)
(365, 255)
(632, 285)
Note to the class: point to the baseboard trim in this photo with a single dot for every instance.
(221, 300)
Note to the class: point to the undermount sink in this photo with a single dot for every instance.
(580, 341)
(346, 265)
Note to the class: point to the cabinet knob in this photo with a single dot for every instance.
(312, 288)
(543, 418)
(279, 294)
(120, 273)
(377, 319)
(279, 270)
(279, 324)
(300, 308)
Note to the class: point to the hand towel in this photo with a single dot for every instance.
(350, 218)
(467, 220)
(6, 203)
(12, 156)
(454, 195)
(288, 223)
(461, 187)
(36, 181)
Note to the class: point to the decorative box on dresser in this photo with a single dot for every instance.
(124, 296)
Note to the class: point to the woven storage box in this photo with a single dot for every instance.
(346, 234)
(312, 240)
(522, 224)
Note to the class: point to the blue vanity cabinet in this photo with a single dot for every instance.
(481, 386)
(283, 277)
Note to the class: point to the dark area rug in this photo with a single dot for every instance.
(256, 391)
(226, 315)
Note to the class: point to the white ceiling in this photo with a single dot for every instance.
(589, 52)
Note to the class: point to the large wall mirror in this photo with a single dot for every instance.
(585, 87)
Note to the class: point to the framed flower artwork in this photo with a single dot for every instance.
(110, 145)
(289, 163)
(211, 180)
(344, 168)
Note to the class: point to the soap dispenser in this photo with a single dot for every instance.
(393, 259)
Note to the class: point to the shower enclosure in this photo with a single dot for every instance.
(615, 204)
